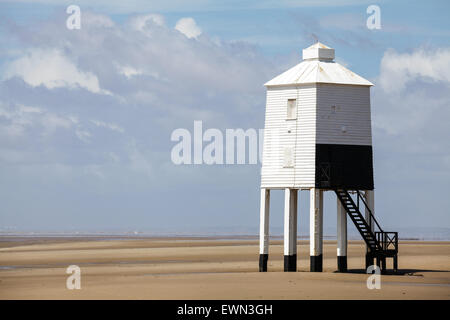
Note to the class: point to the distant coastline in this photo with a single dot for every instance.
(413, 234)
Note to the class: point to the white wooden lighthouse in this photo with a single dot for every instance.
(318, 137)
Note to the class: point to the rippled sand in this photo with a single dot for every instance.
(35, 268)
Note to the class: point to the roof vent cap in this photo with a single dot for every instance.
(318, 51)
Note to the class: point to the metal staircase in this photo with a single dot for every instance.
(380, 244)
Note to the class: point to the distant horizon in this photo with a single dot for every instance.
(412, 233)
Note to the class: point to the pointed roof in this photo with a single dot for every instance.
(318, 67)
(318, 45)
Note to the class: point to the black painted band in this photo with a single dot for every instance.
(263, 262)
(342, 263)
(316, 263)
(344, 166)
(290, 263)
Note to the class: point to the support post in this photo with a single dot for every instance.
(341, 237)
(370, 200)
(383, 265)
(290, 230)
(369, 259)
(264, 230)
(316, 230)
(395, 263)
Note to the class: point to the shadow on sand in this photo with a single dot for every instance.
(399, 272)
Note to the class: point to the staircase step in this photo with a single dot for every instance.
(364, 228)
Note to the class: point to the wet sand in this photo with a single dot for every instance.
(189, 268)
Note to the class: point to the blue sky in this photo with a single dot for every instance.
(86, 115)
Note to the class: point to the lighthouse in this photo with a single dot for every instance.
(318, 137)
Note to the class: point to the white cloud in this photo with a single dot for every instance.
(188, 27)
(128, 71)
(410, 105)
(171, 91)
(111, 126)
(399, 69)
(83, 135)
(179, 80)
(53, 121)
(410, 130)
(28, 121)
(51, 69)
(97, 20)
(16, 119)
(139, 22)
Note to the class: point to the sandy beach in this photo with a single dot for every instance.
(206, 268)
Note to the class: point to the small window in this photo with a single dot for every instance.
(288, 157)
(291, 109)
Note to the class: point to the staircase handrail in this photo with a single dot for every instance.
(371, 216)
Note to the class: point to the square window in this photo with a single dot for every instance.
(292, 109)
(288, 157)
